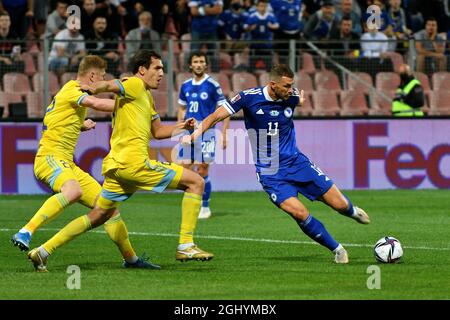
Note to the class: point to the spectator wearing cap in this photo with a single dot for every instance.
(231, 25)
(321, 23)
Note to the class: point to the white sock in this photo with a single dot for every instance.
(354, 212)
(339, 247)
(133, 259)
(43, 252)
(23, 230)
(184, 246)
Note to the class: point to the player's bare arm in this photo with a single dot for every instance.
(181, 112)
(102, 86)
(106, 105)
(226, 125)
(220, 114)
(161, 131)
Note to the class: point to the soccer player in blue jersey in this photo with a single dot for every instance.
(199, 97)
(281, 168)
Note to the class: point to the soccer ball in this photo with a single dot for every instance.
(388, 250)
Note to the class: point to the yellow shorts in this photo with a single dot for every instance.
(152, 175)
(55, 171)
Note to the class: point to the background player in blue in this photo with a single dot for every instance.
(199, 97)
(285, 172)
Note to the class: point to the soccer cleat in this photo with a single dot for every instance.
(142, 262)
(341, 256)
(205, 213)
(39, 263)
(361, 216)
(193, 253)
(22, 240)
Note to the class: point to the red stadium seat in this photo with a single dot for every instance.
(396, 58)
(325, 103)
(353, 103)
(243, 80)
(36, 105)
(440, 103)
(53, 83)
(6, 98)
(326, 80)
(16, 82)
(380, 106)
(303, 81)
(387, 81)
(354, 84)
(161, 99)
(440, 80)
(30, 67)
(307, 63)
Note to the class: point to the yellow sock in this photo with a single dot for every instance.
(117, 231)
(70, 231)
(190, 207)
(49, 211)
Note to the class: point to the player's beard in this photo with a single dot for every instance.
(199, 74)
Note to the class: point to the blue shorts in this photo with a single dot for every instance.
(301, 176)
(202, 151)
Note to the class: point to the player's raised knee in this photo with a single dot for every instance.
(72, 191)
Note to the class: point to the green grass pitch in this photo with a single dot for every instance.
(260, 253)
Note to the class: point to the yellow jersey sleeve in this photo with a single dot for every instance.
(74, 95)
(131, 88)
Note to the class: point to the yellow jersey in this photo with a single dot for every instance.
(132, 119)
(62, 122)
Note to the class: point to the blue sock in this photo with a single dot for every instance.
(207, 192)
(314, 229)
(349, 211)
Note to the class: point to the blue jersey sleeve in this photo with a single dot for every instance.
(182, 97)
(234, 104)
(218, 95)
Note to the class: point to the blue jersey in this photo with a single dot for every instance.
(200, 98)
(272, 123)
(206, 23)
(287, 13)
(262, 30)
(233, 23)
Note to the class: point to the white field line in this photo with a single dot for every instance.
(231, 238)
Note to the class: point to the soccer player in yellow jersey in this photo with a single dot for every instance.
(127, 168)
(53, 165)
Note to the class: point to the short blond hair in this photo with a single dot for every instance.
(91, 62)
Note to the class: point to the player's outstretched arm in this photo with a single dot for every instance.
(106, 105)
(102, 86)
(160, 131)
(220, 114)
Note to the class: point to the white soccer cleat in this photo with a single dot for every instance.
(205, 213)
(361, 216)
(341, 256)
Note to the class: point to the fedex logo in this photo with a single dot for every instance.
(421, 165)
